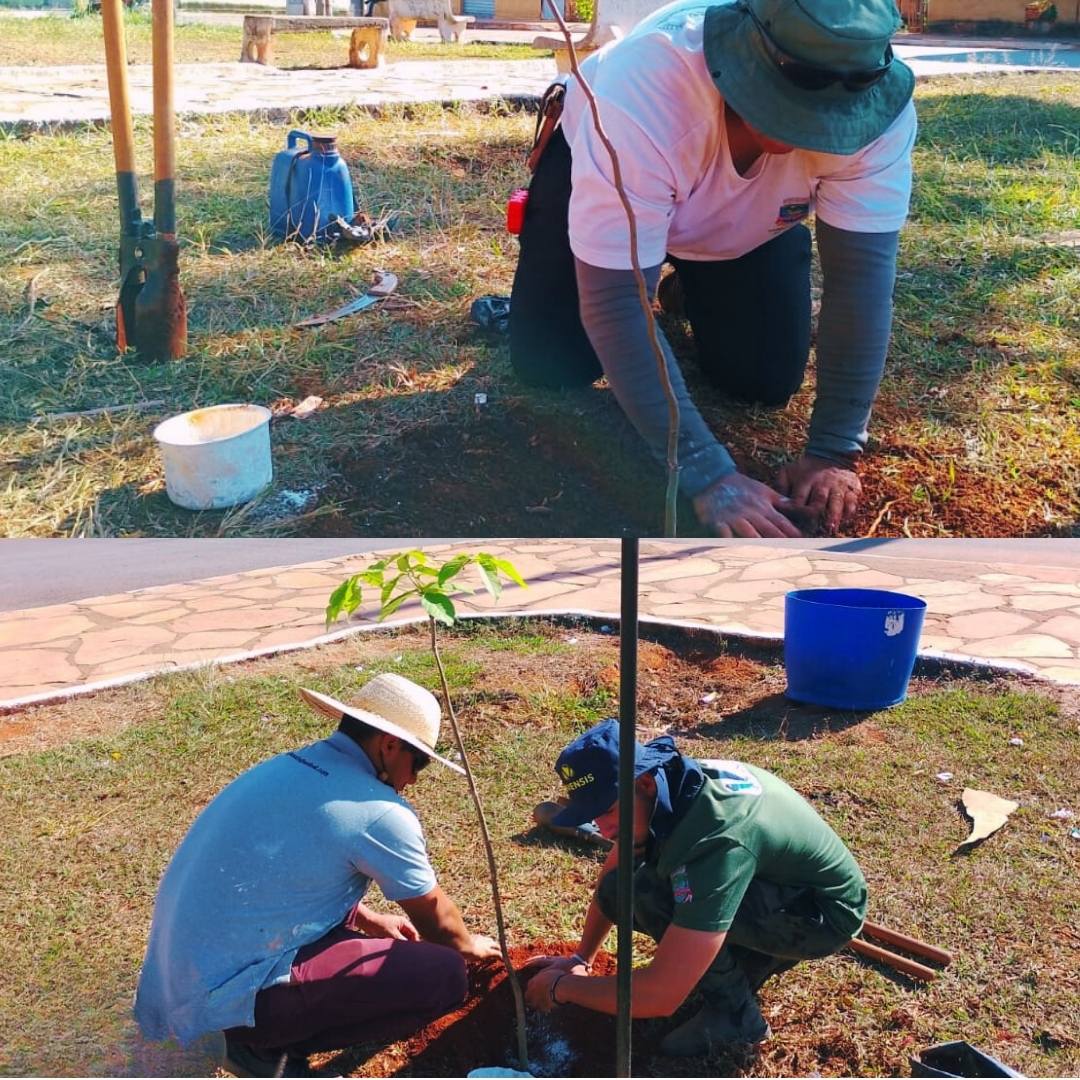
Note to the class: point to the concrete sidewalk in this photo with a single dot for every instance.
(1022, 617)
(37, 97)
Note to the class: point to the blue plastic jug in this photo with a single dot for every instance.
(310, 186)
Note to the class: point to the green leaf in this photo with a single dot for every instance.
(372, 577)
(453, 568)
(402, 562)
(510, 570)
(388, 588)
(418, 557)
(491, 580)
(345, 598)
(389, 608)
(439, 606)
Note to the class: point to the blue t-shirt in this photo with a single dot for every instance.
(274, 862)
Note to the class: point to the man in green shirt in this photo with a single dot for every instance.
(736, 877)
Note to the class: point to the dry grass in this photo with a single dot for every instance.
(91, 820)
(974, 434)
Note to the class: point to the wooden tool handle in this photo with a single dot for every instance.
(912, 945)
(900, 963)
(164, 117)
(123, 134)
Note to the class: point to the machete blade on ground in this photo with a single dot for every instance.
(385, 284)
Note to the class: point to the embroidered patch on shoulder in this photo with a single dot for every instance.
(680, 886)
(792, 210)
(734, 777)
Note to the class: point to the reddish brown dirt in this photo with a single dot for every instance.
(909, 491)
(565, 1042)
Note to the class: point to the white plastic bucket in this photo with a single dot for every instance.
(216, 457)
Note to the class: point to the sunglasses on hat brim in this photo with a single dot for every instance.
(808, 76)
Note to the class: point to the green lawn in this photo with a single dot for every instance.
(60, 39)
(974, 432)
(91, 820)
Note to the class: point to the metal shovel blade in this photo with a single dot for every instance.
(160, 331)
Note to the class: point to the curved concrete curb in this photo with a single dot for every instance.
(928, 661)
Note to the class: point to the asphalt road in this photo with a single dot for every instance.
(38, 572)
(34, 573)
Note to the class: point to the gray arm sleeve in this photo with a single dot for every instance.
(858, 271)
(617, 327)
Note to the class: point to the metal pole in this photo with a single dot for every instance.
(628, 632)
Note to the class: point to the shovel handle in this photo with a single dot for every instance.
(123, 134)
(899, 963)
(164, 119)
(912, 945)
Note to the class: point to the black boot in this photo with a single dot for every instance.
(244, 1061)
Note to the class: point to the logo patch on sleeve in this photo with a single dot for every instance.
(680, 886)
(734, 777)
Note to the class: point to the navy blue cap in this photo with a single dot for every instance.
(589, 770)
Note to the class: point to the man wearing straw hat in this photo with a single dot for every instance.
(259, 928)
(735, 876)
(733, 124)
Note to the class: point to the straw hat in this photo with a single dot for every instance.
(392, 704)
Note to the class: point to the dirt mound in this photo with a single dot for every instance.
(568, 1041)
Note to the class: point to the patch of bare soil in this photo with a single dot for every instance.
(909, 491)
(565, 1042)
(508, 472)
(568, 1041)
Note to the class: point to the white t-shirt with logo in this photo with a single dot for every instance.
(663, 113)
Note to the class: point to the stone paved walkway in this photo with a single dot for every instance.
(1024, 617)
(35, 96)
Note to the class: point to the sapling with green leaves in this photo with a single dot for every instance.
(412, 575)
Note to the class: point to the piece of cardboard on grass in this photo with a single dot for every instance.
(988, 812)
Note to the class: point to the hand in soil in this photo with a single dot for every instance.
(736, 505)
(538, 993)
(559, 963)
(822, 489)
(482, 948)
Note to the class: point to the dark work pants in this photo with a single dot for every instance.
(775, 927)
(750, 316)
(347, 988)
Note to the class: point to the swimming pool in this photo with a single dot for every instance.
(1051, 56)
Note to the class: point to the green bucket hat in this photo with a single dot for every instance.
(815, 74)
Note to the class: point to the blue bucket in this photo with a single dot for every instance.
(850, 648)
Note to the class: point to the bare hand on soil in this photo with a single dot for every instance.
(737, 505)
(828, 490)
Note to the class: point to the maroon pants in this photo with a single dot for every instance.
(347, 989)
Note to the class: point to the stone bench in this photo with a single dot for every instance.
(404, 15)
(366, 46)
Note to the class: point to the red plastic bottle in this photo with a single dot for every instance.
(515, 211)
